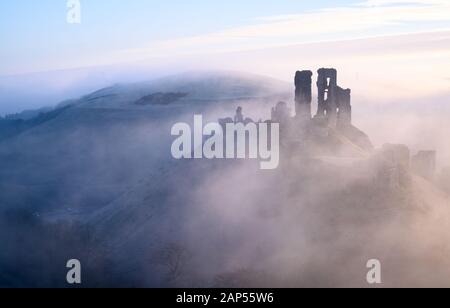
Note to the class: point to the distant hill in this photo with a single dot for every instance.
(196, 87)
(183, 89)
(108, 134)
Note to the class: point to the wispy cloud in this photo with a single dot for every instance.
(362, 19)
(399, 2)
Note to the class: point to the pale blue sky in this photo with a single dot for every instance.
(35, 35)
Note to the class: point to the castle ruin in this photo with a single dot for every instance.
(334, 103)
(331, 133)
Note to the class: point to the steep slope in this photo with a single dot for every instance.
(86, 151)
(310, 223)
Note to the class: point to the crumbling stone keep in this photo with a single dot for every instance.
(303, 94)
(326, 86)
(334, 102)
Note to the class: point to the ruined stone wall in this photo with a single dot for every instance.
(334, 102)
(344, 117)
(327, 95)
(303, 94)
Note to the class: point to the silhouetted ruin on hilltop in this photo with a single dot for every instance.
(331, 133)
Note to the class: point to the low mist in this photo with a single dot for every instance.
(98, 183)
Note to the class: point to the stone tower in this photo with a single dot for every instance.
(344, 116)
(327, 95)
(303, 94)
